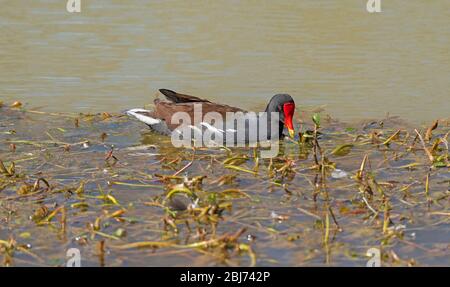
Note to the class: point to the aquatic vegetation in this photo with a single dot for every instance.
(124, 196)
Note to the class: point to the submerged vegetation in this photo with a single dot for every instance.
(124, 196)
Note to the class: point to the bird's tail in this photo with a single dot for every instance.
(180, 98)
(144, 116)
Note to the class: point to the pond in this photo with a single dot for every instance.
(124, 196)
(76, 172)
(114, 55)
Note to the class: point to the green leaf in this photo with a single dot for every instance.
(316, 119)
(342, 150)
(349, 129)
(120, 232)
(25, 235)
(440, 164)
(179, 189)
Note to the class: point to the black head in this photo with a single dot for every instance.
(284, 105)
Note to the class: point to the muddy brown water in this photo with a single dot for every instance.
(277, 209)
(114, 55)
(329, 55)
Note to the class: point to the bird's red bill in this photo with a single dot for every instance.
(288, 110)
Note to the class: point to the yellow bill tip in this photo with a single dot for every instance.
(291, 133)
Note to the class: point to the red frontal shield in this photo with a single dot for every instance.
(289, 109)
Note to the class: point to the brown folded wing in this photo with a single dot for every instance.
(185, 103)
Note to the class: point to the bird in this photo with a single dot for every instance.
(161, 118)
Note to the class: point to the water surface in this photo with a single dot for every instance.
(116, 54)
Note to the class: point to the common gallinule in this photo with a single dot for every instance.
(160, 118)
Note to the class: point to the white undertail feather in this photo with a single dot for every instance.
(143, 118)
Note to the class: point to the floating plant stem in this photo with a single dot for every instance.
(427, 189)
(392, 137)
(386, 217)
(238, 168)
(428, 153)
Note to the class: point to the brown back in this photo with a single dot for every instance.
(165, 110)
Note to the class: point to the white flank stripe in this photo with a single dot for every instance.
(145, 119)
